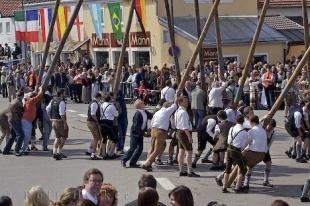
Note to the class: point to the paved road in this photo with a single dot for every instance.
(18, 174)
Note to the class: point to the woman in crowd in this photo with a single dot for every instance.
(69, 197)
(37, 197)
(148, 197)
(181, 196)
(107, 195)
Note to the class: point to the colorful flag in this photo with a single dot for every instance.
(141, 14)
(32, 21)
(45, 21)
(20, 25)
(95, 12)
(115, 16)
(62, 21)
(77, 31)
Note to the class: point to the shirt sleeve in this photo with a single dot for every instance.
(48, 108)
(210, 126)
(297, 117)
(217, 130)
(62, 108)
(93, 108)
(114, 111)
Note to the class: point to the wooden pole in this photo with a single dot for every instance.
(219, 45)
(201, 63)
(306, 31)
(199, 44)
(62, 43)
(251, 53)
(172, 40)
(291, 81)
(48, 42)
(121, 57)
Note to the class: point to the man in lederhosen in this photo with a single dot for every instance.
(93, 116)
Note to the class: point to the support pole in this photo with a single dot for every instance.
(219, 45)
(306, 30)
(62, 43)
(172, 40)
(291, 81)
(121, 57)
(251, 53)
(201, 63)
(199, 44)
(48, 42)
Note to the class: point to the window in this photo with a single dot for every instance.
(166, 36)
(230, 58)
(1, 28)
(260, 58)
(8, 27)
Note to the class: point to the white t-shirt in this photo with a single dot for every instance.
(87, 196)
(161, 118)
(216, 97)
(109, 111)
(62, 108)
(167, 93)
(182, 121)
(257, 139)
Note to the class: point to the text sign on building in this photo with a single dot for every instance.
(100, 42)
(140, 39)
(210, 54)
(117, 43)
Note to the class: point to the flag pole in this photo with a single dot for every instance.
(48, 42)
(306, 31)
(62, 43)
(251, 53)
(172, 40)
(199, 45)
(121, 57)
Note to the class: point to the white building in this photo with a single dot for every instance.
(7, 31)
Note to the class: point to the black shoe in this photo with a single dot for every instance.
(219, 182)
(304, 199)
(41, 139)
(301, 160)
(288, 154)
(8, 153)
(18, 154)
(45, 149)
(183, 174)
(94, 157)
(214, 167)
(241, 190)
(175, 161)
(224, 190)
(105, 157)
(159, 162)
(87, 153)
(62, 156)
(33, 148)
(294, 156)
(25, 153)
(147, 168)
(193, 174)
(57, 157)
(170, 162)
(206, 161)
(194, 165)
(135, 166)
(123, 163)
(267, 184)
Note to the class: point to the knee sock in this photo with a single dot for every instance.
(247, 180)
(298, 151)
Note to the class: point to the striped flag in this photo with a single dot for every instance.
(62, 21)
(45, 21)
(77, 32)
(20, 25)
(95, 12)
(141, 14)
(32, 21)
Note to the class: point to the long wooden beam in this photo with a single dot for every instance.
(199, 44)
(117, 80)
(219, 45)
(251, 53)
(172, 40)
(306, 31)
(62, 43)
(48, 42)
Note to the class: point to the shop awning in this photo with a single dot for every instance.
(234, 30)
(70, 46)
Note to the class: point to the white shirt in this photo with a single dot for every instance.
(94, 107)
(247, 124)
(109, 111)
(216, 97)
(241, 140)
(257, 139)
(161, 118)
(211, 124)
(87, 196)
(168, 94)
(231, 115)
(182, 121)
(62, 108)
(144, 116)
(298, 119)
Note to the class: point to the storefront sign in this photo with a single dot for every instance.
(117, 43)
(100, 42)
(210, 54)
(140, 39)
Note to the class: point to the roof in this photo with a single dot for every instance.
(234, 30)
(7, 7)
(295, 36)
(281, 22)
(298, 19)
(282, 3)
(69, 47)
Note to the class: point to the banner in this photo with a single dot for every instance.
(61, 21)
(115, 16)
(96, 16)
(32, 21)
(45, 21)
(77, 31)
(141, 14)
(20, 25)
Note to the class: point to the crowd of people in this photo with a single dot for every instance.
(238, 139)
(7, 53)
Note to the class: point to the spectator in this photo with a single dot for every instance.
(69, 197)
(7, 51)
(92, 182)
(107, 195)
(279, 203)
(148, 197)
(181, 196)
(17, 51)
(5, 201)
(37, 197)
(168, 92)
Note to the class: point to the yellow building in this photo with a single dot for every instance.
(237, 23)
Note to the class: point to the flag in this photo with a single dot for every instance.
(115, 16)
(20, 25)
(45, 21)
(140, 12)
(95, 12)
(77, 31)
(32, 21)
(62, 21)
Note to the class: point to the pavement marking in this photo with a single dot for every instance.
(165, 183)
(82, 115)
(73, 111)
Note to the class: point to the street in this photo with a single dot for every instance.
(19, 174)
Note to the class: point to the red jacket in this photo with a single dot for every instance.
(30, 107)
